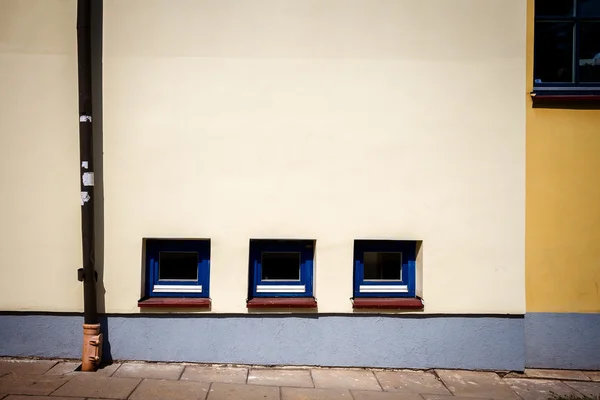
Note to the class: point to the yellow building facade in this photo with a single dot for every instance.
(562, 230)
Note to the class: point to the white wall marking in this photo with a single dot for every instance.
(88, 179)
(85, 197)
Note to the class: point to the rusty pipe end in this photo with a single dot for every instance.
(92, 347)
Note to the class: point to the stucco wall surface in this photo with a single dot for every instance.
(328, 120)
(562, 340)
(40, 239)
(495, 343)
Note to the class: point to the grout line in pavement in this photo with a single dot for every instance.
(351, 394)
(135, 388)
(514, 391)
(208, 391)
(52, 366)
(63, 384)
(312, 379)
(377, 379)
(571, 387)
(116, 369)
(439, 378)
(182, 371)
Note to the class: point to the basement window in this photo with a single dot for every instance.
(280, 270)
(384, 268)
(177, 268)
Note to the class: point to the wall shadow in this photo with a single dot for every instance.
(97, 8)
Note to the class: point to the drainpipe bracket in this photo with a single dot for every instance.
(81, 275)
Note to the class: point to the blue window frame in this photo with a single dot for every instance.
(281, 268)
(177, 268)
(384, 268)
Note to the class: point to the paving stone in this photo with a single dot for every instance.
(104, 370)
(538, 389)
(314, 394)
(232, 391)
(371, 395)
(556, 374)
(440, 397)
(215, 374)
(17, 397)
(91, 385)
(476, 384)
(153, 371)
(153, 389)
(33, 367)
(586, 388)
(31, 384)
(345, 379)
(411, 382)
(280, 377)
(593, 375)
(63, 368)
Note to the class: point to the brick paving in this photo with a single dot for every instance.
(59, 380)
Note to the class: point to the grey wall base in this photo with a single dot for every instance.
(540, 340)
(564, 341)
(494, 343)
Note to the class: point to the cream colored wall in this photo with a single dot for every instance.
(325, 119)
(40, 239)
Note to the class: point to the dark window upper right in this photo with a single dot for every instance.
(567, 44)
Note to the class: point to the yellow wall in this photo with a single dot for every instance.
(322, 119)
(563, 205)
(40, 239)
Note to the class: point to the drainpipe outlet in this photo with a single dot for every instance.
(92, 347)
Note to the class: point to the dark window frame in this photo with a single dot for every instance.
(564, 88)
(408, 248)
(157, 288)
(260, 288)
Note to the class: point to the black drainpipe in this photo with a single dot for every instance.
(92, 339)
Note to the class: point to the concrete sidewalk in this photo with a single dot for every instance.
(58, 380)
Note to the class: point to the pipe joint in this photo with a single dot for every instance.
(92, 347)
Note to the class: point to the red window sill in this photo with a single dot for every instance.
(567, 97)
(571, 100)
(174, 302)
(388, 303)
(282, 302)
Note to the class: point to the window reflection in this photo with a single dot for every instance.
(554, 52)
(178, 266)
(554, 8)
(280, 266)
(589, 52)
(588, 8)
(382, 266)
